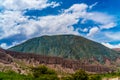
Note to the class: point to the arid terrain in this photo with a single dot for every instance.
(18, 61)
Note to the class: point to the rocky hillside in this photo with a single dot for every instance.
(67, 46)
(5, 58)
(7, 62)
(20, 62)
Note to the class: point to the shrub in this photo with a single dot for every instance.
(80, 75)
(95, 77)
(67, 78)
(11, 75)
(44, 73)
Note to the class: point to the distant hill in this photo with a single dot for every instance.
(67, 46)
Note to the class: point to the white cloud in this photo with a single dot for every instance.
(93, 5)
(9, 21)
(77, 8)
(60, 24)
(108, 26)
(93, 31)
(12, 16)
(105, 20)
(85, 29)
(54, 4)
(12, 21)
(101, 18)
(27, 4)
(111, 46)
(113, 35)
(5, 46)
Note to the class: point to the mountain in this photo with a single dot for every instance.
(67, 46)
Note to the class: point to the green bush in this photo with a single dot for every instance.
(38, 73)
(67, 78)
(80, 75)
(44, 73)
(11, 75)
(95, 77)
(47, 77)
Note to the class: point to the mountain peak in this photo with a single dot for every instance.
(66, 46)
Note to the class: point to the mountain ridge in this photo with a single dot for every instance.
(66, 46)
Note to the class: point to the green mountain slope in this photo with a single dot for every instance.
(67, 46)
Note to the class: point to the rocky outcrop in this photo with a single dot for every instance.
(64, 63)
(8, 57)
(5, 58)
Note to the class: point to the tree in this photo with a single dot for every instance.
(80, 75)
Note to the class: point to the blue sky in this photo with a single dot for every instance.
(97, 20)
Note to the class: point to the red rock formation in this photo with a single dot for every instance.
(4, 58)
(65, 63)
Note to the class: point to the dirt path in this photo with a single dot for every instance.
(111, 78)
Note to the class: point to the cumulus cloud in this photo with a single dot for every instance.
(101, 18)
(9, 21)
(93, 5)
(56, 24)
(27, 4)
(108, 26)
(5, 46)
(59, 24)
(111, 46)
(85, 30)
(93, 31)
(113, 35)
(12, 21)
(106, 21)
(77, 8)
